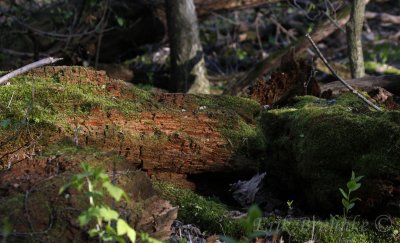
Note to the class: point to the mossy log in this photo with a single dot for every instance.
(54, 118)
(315, 145)
(158, 133)
(308, 149)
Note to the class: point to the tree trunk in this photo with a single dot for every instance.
(188, 72)
(354, 36)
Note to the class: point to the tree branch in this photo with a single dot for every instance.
(354, 91)
(24, 69)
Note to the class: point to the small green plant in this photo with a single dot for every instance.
(250, 226)
(289, 204)
(109, 225)
(352, 185)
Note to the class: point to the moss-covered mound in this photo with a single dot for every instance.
(315, 145)
(213, 217)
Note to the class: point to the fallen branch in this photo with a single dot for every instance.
(384, 17)
(24, 69)
(362, 97)
(389, 82)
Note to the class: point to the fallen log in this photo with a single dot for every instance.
(389, 82)
(308, 150)
(168, 133)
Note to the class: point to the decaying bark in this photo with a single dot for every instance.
(292, 78)
(320, 32)
(188, 71)
(354, 43)
(172, 134)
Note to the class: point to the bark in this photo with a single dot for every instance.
(321, 31)
(293, 78)
(354, 36)
(188, 72)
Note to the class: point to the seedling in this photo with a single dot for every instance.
(347, 201)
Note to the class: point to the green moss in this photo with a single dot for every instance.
(248, 138)
(242, 106)
(209, 215)
(314, 146)
(14, 203)
(53, 101)
(334, 230)
(237, 121)
(381, 68)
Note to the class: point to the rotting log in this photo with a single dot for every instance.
(166, 133)
(308, 149)
(292, 78)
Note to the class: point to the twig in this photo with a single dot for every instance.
(28, 67)
(9, 103)
(362, 97)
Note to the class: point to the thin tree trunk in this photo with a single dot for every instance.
(188, 72)
(354, 44)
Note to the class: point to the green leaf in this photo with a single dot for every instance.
(94, 194)
(120, 21)
(64, 187)
(358, 178)
(146, 238)
(114, 191)
(351, 185)
(85, 167)
(108, 214)
(345, 203)
(124, 228)
(350, 206)
(343, 193)
(254, 213)
(98, 173)
(93, 232)
(355, 199)
(110, 230)
(87, 215)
